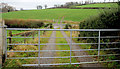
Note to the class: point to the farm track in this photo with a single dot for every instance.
(50, 53)
(81, 53)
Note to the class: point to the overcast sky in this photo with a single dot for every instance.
(31, 4)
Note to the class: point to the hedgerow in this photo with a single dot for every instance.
(106, 19)
(15, 23)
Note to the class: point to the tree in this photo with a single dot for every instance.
(10, 8)
(6, 8)
(62, 5)
(45, 6)
(39, 7)
(104, 1)
(21, 9)
(55, 5)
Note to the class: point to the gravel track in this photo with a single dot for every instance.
(81, 53)
(50, 53)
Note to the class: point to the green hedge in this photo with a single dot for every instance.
(106, 19)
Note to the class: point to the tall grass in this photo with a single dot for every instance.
(9, 63)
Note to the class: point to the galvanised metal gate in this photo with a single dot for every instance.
(71, 44)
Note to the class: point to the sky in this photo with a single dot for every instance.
(31, 4)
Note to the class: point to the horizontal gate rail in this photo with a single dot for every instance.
(61, 57)
(68, 37)
(67, 50)
(98, 55)
(64, 29)
(68, 43)
(71, 63)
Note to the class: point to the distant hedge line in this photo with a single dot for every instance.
(23, 23)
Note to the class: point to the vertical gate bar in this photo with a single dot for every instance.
(39, 47)
(70, 45)
(6, 45)
(99, 47)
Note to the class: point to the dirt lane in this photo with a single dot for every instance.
(50, 53)
(81, 53)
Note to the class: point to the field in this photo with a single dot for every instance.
(50, 14)
(100, 5)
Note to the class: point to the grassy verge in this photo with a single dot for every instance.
(63, 54)
(19, 62)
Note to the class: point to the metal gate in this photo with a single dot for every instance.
(99, 43)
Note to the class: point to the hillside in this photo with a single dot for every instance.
(50, 14)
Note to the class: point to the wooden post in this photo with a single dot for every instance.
(10, 39)
(2, 42)
(24, 38)
(33, 34)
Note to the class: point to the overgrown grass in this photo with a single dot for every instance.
(63, 54)
(50, 14)
(19, 62)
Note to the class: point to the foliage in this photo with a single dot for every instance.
(107, 19)
(6, 8)
(23, 23)
(68, 26)
(51, 26)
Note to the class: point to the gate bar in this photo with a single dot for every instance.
(66, 50)
(39, 47)
(64, 29)
(72, 37)
(70, 45)
(99, 47)
(71, 63)
(6, 45)
(62, 57)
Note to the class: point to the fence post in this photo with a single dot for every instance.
(33, 34)
(99, 47)
(24, 38)
(2, 42)
(10, 39)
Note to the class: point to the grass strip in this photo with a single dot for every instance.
(63, 54)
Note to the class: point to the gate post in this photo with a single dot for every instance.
(2, 42)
